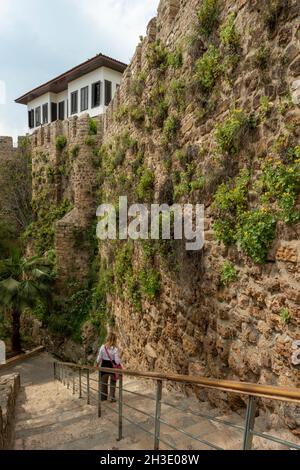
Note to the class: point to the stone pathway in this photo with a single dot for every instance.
(49, 416)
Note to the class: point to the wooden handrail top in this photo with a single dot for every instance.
(243, 388)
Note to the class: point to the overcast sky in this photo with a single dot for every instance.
(40, 39)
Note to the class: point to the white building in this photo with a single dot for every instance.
(87, 88)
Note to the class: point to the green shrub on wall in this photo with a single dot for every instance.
(281, 184)
(277, 191)
(157, 56)
(256, 233)
(187, 181)
(123, 263)
(150, 283)
(230, 202)
(285, 315)
(139, 84)
(75, 151)
(208, 16)
(230, 37)
(134, 291)
(42, 231)
(177, 94)
(208, 69)
(157, 108)
(175, 59)
(122, 113)
(171, 128)
(145, 187)
(50, 175)
(228, 274)
(61, 142)
(137, 115)
(262, 57)
(229, 134)
(90, 140)
(93, 128)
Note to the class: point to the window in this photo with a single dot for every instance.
(74, 102)
(96, 94)
(61, 110)
(31, 119)
(53, 112)
(84, 98)
(108, 95)
(117, 86)
(38, 116)
(45, 113)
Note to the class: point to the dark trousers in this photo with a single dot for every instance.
(105, 378)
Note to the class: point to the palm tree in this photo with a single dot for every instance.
(23, 283)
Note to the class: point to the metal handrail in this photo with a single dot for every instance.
(242, 388)
(204, 415)
(82, 384)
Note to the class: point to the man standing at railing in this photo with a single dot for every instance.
(109, 357)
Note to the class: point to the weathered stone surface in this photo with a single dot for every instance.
(150, 352)
(296, 91)
(295, 68)
(287, 254)
(9, 388)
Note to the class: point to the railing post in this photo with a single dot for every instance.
(68, 379)
(120, 407)
(249, 425)
(54, 370)
(158, 414)
(73, 382)
(88, 386)
(64, 375)
(99, 394)
(80, 384)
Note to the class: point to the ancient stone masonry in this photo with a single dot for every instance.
(7, 152)
(244, 330)
(9, 388)
(65, 171)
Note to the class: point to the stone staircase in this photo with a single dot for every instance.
(49, 416)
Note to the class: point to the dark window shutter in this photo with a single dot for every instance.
(61, 110)
(108, 92)
(31, 119)
(96, 94)
(38, 116)
(45, 114)
(74, 102)
(84, 98)
(53, 112)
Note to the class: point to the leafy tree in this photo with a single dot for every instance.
(23, 284)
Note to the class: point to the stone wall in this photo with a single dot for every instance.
(62, 173)
(6, 149)
(7, 152)
(197, 326)
(9, 388)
